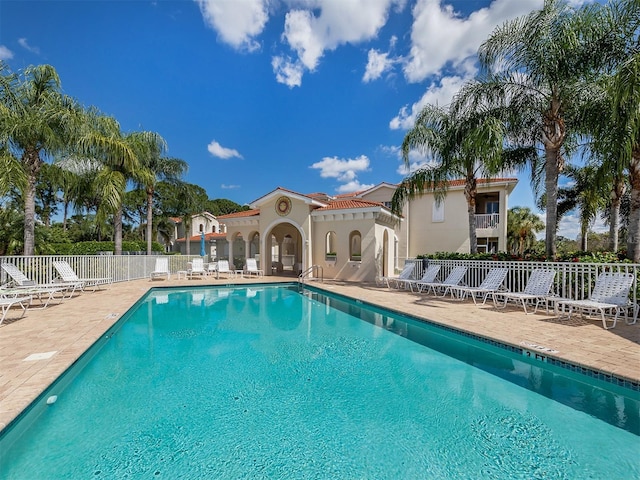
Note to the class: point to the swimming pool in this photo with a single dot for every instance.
(273, 382)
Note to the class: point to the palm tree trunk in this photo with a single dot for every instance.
(149, 220)
(584, 231)
(187, 235)
(552, 172)
(117, 230)
(470, 192)
(29, 216)
(32, 163)
(633, 240)
(614, 213)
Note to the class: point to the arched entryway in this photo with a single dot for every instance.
(284, 250)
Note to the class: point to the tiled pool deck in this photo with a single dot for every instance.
(62, 332)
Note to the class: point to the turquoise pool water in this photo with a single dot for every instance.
(266, 382)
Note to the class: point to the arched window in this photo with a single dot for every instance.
(201, 228)
(355, 246)
(330, 242)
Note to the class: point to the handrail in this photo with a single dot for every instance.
(312, 270)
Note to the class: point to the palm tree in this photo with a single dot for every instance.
(624, 92)
(587, 194)
(36, 121)
(157, 168)
(535, 68)
(522, 226)
(464, 146)
(118, 155)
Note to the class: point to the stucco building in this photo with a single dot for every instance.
(354, 236)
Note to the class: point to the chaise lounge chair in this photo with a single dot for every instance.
(69, 276)
(610, 294)
(429, 276)
(251, 268)
(492, 283)
(197, 268)
(161, 269)
(454, 278)
(537, 289)
(21, 285)
(223, 267)
(7, 302)
(406, 274)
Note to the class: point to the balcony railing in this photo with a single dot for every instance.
(487, 220)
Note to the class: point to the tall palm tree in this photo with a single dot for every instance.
(535, 69)
(158, 168)
(36, 121)
(624, 91)
(463, 146)
(522, 226)
(118, 155)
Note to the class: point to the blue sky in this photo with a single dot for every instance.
(310, 95)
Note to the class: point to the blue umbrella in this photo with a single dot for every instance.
(202, 251)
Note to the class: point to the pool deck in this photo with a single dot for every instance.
(36, 349)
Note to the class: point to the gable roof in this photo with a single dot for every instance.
(290, 193)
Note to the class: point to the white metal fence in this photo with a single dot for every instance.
(120, 268)
(573, 280)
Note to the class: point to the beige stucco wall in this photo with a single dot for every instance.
(343, 225)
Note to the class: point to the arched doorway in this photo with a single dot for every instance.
(285, 250)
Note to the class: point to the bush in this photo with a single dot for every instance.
(93, 247)
(585, 257)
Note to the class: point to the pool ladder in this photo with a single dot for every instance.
(312, 273)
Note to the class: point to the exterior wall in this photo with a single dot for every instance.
(343, 268)
(383, 195)
(427, 236)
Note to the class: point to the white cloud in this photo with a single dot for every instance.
(353, 186)
(320, 25)
(437, 94)
(237, 22)
(377, 64)
(343, 170)
(219, 151)
(287, 72)
(23, 43)
(229, 187)
(5, 53)
(440, 37)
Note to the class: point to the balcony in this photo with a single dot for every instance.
(487, 220)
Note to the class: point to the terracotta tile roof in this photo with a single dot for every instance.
(350, 194)
(346, 204)
(244, 213)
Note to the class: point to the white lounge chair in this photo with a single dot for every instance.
(223, 267)
(609, 294)
(161, 269)
(405, 274)
(197, 268)
(7, 302)
(491, 283)
(428, 276)
(21, 283)
(251, 268)
(454, 278)
(537, 289)
(69, 276)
